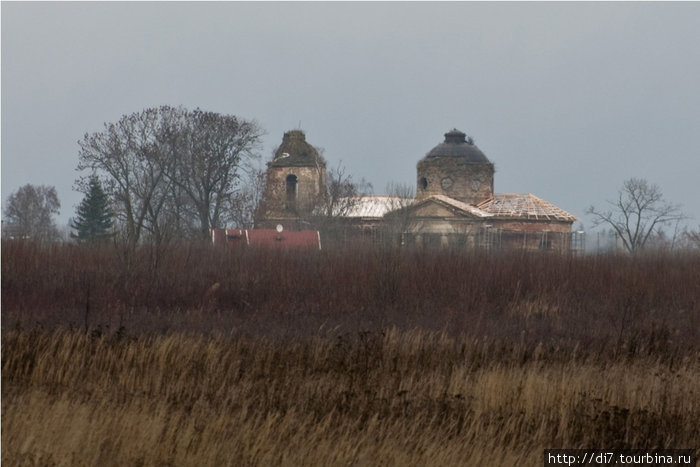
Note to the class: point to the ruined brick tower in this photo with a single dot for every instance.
(296, 177)
(457, 169)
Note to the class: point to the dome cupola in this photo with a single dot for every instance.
(457, 144)
(456, 168)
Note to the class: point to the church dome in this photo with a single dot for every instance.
(457, 145)
(296, 152)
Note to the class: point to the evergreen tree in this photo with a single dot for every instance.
(93, 220)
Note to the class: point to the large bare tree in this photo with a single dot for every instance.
(29, 212)
(170, 171)
(127, 156)
(213, 153)
(639, 210)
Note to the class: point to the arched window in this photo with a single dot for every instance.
(291, 191)
(423, 183)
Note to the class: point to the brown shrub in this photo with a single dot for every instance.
(199, 356)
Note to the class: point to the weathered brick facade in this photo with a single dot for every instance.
(455, 168)
(464, 181)
(454, 207)
(295, 179)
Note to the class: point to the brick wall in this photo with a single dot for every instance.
(452, 176)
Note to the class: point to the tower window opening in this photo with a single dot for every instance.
(292, 186)
(423, 183)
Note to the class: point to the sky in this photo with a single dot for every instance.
(568, 100)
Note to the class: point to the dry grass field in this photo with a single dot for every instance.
(194, 356)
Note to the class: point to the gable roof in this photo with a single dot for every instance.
(524, 206)
(453, 205)
(374, 206)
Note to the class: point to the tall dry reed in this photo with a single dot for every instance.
(397, 398)
(199, 356)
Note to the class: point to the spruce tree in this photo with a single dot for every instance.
(93, 220)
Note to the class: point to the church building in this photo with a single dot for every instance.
(454, 206)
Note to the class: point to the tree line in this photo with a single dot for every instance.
(169, 172)
(152, 176)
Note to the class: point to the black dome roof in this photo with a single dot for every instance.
(457, 145)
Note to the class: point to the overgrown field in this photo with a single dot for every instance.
(198, 356)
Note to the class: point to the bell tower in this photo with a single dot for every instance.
(296, 177)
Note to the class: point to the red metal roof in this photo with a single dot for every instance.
(267, 238)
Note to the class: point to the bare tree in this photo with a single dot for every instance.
(213, 152)
(170, 171)
(127, 156)
(29, 212)
(248, 198)
(397, 219)
(342, 193)
(336, 203)
(692, 238)
(639, 211)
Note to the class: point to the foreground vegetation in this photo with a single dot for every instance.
(194, 356)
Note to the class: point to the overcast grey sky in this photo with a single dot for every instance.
(567, 99)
